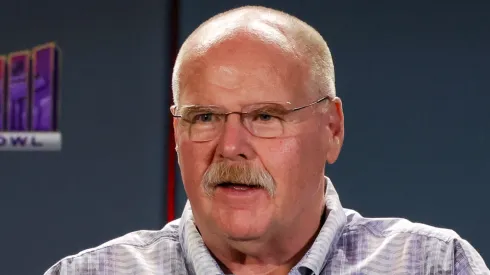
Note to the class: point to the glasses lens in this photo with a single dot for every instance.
(203, 122)
(261, 120)
(201, 134)
(265, 120)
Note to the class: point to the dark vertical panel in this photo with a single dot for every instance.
(174, 48)
(107, 180)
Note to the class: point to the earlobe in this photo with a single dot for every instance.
(333, 150)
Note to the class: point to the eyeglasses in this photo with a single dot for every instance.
(264, 120)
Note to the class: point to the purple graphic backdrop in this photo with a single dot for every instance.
(2, 94)
(44, 88)
(18, 90)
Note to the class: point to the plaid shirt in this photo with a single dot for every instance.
(347, 244)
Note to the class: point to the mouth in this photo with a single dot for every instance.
(238, 186)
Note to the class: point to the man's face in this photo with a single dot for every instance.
(233, 75)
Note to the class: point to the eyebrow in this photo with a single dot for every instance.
(185, 110)
(275, 108)
(262, 106)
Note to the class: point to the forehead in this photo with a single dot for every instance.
(243, 71)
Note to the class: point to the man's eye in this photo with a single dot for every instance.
(264, 116)
(203, 118)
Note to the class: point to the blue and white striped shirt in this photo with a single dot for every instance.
(346, 244)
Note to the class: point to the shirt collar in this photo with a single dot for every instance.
(200, 260)
(316, 257)
(197, 255)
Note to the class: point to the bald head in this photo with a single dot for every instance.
(261, 29)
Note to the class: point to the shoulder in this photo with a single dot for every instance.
(139, 252)
(385, 227)
(429, 244)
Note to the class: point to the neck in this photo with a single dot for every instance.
(276, 254)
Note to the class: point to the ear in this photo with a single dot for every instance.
(176, 138)
(335, 130)
(175, 125)
(176, 132)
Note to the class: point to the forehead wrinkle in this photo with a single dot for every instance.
(232, 77)
(246, 86)
(219, 67)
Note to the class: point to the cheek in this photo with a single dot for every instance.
(295, 164)
(290, 154)
(281, 158)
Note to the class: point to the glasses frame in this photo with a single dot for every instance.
(288, 111)
(225, 115)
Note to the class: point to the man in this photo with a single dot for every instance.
(256, 120)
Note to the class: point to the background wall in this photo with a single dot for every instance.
(108, 179)
(412, 78)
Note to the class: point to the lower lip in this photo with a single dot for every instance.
(239, 191)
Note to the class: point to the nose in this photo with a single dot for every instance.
(234, 141)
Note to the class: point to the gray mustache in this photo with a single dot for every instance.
(241, 173)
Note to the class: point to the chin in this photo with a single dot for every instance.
(243, 238)
(243, 234)
(245, 227)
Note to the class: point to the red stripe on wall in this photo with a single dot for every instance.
(171, 176)
(174, 40)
